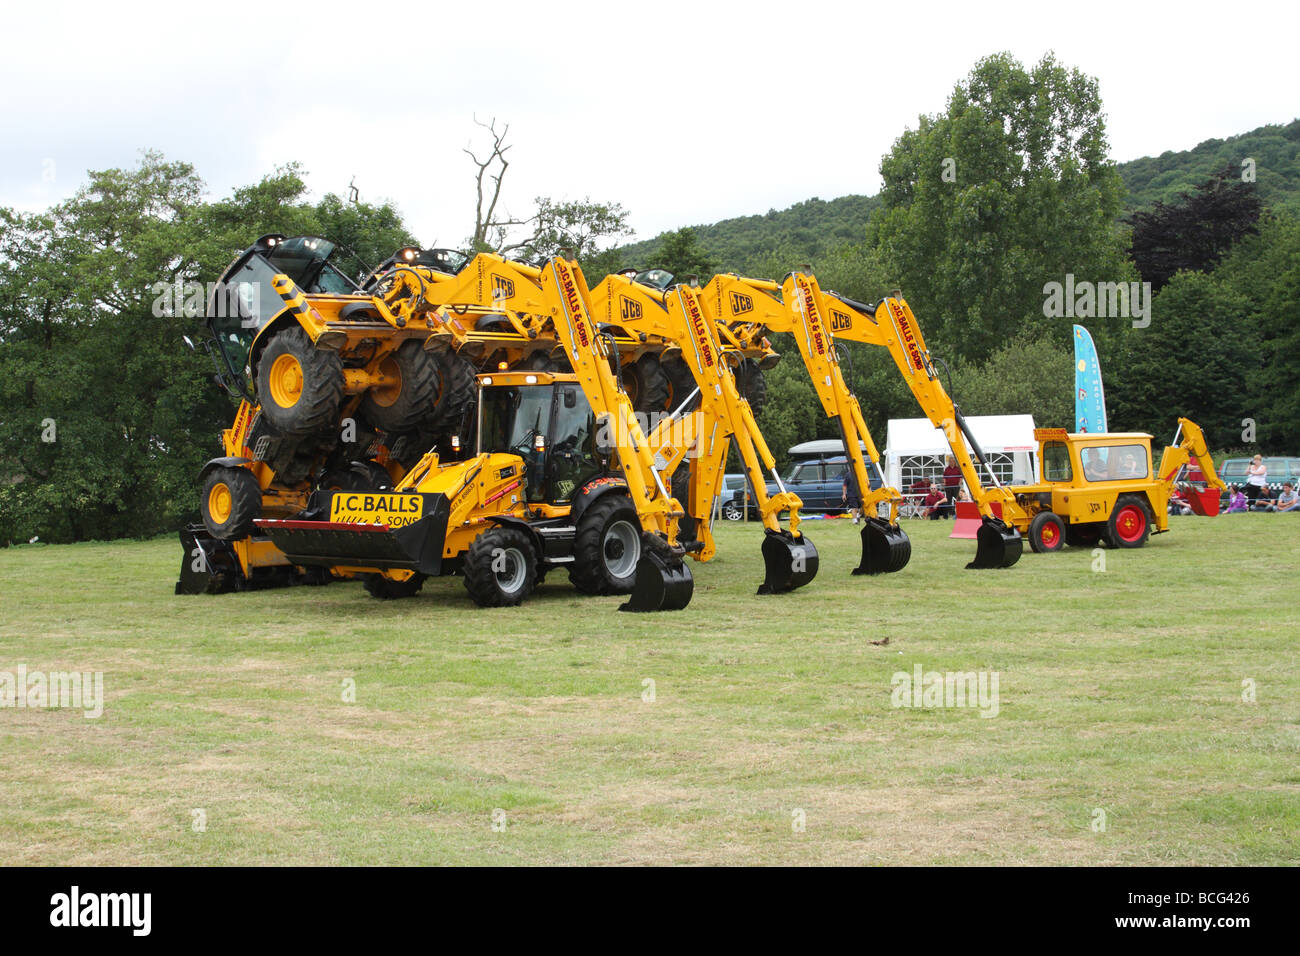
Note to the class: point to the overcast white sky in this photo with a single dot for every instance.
(685, 112)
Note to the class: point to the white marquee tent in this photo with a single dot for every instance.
(916, 449)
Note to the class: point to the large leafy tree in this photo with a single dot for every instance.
(107, 416)
(1008, 189)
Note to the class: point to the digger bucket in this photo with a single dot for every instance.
(790, 562)
(663, 581)
(885, 547)
(208, 566)
(997, 545)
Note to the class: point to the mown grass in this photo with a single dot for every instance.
(1120, 691)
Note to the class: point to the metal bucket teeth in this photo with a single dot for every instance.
(663, 581)
(997, 545)
(885, 547)
(789, 562)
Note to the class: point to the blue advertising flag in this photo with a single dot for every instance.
(1089, 400)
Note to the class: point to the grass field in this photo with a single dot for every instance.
(1120, 693)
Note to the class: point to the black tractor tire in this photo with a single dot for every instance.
(386, 589)
(1046, 533)
(752, 384)
(413, 401)
(230, 502)
(646, 384)
(500, 568)
(457, 395)
(680, 381)
(1084, 535)
(312, 403)
(1129, 524)
(606, 547)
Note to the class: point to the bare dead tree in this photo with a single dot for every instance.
(491, 171)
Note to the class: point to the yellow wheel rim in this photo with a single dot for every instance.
(286, 381)
(219, 503)
(385, 395)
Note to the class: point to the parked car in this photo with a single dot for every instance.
(817, 481)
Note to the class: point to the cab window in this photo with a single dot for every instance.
(1056, 462)
(1114, 462)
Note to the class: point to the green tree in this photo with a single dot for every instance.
(1008, 189)
(107, 416)
(681, 254)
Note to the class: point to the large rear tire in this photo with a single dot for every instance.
(457, 395)
(680, 381)
(231, 501)
(500, 568)
(299, 386)
(1129, 525)
(413, 400)
(607, 547)
(646, 384)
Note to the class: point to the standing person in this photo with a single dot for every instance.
(1256, 479)
(951, 479)
(849, 495)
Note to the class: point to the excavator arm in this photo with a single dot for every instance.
(743, 309)
(890, 324)
(678, 316)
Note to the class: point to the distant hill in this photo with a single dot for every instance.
(1275, 150)
(806, 229)
(810, 228)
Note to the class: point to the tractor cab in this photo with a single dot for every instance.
(545, 419)
(244, 300)
(1085, 458)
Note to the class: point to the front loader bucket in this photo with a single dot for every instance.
(885, 547)
(997, 545)
(789, 562)
(208, 566)
(663, 581)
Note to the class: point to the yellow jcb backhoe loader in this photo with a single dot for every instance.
(564, 476)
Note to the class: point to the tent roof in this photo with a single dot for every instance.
(995, 433)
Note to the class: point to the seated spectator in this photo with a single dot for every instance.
(1178, 504)
(964, 494)
(1236, 500)
(1288, 500)
(936, 503)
